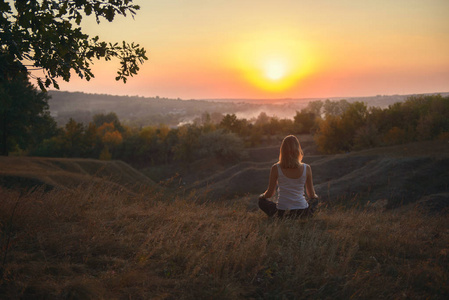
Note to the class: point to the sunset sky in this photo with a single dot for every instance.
(201, 49)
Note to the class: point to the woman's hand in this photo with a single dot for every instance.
(309, 184)
(271, 183)
(262, 196)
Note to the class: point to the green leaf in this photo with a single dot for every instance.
(41, 85)
(78, 19)
(88, 9)
(110, 14)
(55, 84)
(4, 7)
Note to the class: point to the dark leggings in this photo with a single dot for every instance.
(270, 209)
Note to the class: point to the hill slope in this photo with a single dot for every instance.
(27, 172)
(396, 175)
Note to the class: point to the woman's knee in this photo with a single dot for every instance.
(262, 202)
(267, 206)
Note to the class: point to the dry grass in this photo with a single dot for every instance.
(62, 173)
(104, 244)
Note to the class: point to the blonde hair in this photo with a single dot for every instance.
(290, 154)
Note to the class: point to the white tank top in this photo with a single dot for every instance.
(291, 191)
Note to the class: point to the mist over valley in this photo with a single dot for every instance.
(144, 111)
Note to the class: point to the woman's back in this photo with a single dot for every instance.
(293, 173)
(291, 188)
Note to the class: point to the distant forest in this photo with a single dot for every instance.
(140, 111)
(135, 110)
(337, 126)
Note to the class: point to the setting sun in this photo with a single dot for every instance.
(275, 69)
(273, 63)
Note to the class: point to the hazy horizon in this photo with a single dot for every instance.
(249, 99)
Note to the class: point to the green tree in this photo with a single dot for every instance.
(47, 35)
(187, 146)
(329, 137)
(91, 141)
(100, 119)
(225, 146)
(314, 107)
(337, 133)
(232, 124)
(366, 137)
(274, 127)
(73, 139)
(24, 116)
(354, 117)
(335, 108)
(304, 121)
(262, 119)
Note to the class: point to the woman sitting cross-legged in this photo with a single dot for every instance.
(291, 176)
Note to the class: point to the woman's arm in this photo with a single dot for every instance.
(309, 184)
(272, 183)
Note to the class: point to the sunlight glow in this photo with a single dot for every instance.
(273, 63)
(275, 70)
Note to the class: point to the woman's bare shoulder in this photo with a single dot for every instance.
(308, 169)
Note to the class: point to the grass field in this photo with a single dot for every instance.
(97, 242)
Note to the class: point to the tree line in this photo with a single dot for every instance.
(355, 127)
(337, 126)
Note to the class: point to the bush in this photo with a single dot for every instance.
(366, 137)
(105, 154)
(395, 136)
(225, 146)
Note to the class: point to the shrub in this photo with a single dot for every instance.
(395, 136)
(366, 137)
(105, 154)
(222, 145)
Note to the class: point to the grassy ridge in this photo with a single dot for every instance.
(66, 173)
(93, 243)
